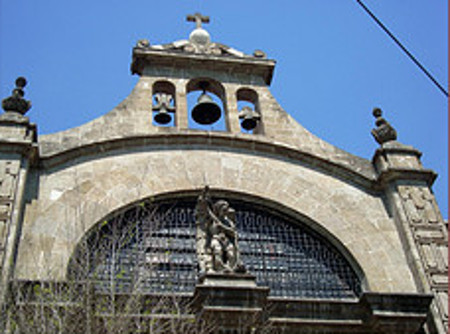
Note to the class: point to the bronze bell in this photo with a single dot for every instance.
(250, 118)
(206, 111)
(163, 108)
(163, 116)
(249, 123)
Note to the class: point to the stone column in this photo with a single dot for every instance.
(410, 200)
(181, 113)
(18, 150)
(231, 108)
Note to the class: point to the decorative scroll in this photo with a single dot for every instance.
(155, 249)
(9, 171)
(431, 240)
(5, 212)
(8, 174)
(420, 205)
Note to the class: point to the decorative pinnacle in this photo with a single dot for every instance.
(16, 102)
(384, 132)
(198, 19)
(199, 36)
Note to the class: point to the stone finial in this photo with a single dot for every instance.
(259, 54)
(384, 132)
(16, 102)
(143, 43)
(199, 36)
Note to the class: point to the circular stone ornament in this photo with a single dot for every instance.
(200, 36)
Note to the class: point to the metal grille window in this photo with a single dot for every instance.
(151, 248)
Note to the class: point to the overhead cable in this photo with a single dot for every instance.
(414, 59)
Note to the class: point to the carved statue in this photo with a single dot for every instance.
(217, 239)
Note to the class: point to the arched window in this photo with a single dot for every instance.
(151, 247)
(249, 111)
(163, 104)
(206, 104)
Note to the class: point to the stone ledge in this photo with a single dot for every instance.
(372, 313)
(313, 322)
(406, 174)
(232, 280)
(143, 58)
(24, 148)
(256, 145)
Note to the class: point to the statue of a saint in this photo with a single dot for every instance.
(217, 239)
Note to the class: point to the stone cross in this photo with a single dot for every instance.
(198, 19)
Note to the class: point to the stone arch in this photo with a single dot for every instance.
(250, 110)
(247, 94)
(217, 89)
(163, 86)
(164, 102)
(297, 219)
(213, 86)
(349, 213)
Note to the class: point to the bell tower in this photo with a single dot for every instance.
(170, 72)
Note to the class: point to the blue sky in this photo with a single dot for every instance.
(333, 63)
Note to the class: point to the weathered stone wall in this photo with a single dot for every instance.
(74, 196)
(9, 175)
(133, 118)
(17, 150)
(430, 237)
(380, 214)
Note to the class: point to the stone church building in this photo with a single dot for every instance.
(229, 217)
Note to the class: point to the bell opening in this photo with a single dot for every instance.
(248, 117)
(205, 111)
(163, 110)
(163, 104)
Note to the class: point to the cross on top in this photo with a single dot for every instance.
(198, 19)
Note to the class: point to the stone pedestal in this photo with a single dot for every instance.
(232, 301)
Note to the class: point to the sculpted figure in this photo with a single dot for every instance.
(217, 239)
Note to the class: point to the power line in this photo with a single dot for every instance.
(386, 30)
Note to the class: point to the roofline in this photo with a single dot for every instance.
(207, 141)
(147, 57)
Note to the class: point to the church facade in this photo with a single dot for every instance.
(227, 218)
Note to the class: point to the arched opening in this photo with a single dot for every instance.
(151, 248)
(163, 103)
(249, 111)
(206, 104)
